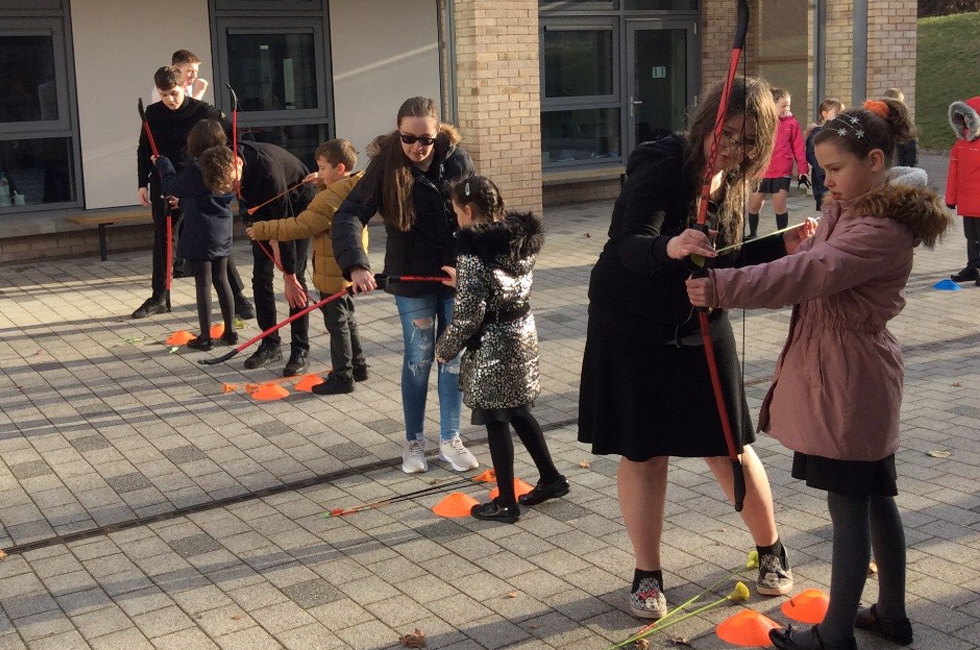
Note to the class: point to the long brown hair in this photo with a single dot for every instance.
(204, 135)
(752, 99)
(392, 170)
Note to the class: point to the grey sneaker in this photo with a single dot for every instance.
(456, 454)
(413, 457)
(648, 601)
(775, 579)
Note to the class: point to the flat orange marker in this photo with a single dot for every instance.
(180, 338)
(307, 383)
(747, 629)
(217, 330)
(456, 504)
(809, 606)
(520, 488)
(270, 392)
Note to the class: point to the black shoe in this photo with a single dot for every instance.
(230, 338)
(808, 639)
(334, 385)
(545, 491)
(202, 344)
(266, 354)
(297, 363)
(493, 511)
(899, 632)
(361, 372)
(750, 237)
(244, 308)
(966, 275)
(152, 306)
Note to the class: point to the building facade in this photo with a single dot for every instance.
(551, 95)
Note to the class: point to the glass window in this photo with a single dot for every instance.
(36, 171)
(27, 75)
(580, 134)
(578, 63)
(273, 72)
(301, 140)
(661, 5)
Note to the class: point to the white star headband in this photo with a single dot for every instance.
(848, 122)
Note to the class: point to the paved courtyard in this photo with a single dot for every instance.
(147, 501)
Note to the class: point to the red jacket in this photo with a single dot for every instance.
(963, 181)
(789, 145)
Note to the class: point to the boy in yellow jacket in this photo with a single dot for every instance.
(334, 159)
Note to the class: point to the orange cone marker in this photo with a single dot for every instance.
(520, 488)
(747, 629)
(486, 476)
(456, 504)
(307, 383)
(270, 392)
(217, 330)
(228, 388)
(179, 338)
(809, 606)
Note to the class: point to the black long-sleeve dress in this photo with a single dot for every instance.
(645, 388)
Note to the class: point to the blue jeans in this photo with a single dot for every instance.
(423, 318)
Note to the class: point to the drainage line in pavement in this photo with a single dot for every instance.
(225, 502)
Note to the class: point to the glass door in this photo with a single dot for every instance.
(661, 58)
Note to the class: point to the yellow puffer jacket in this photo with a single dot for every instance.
(316, 221)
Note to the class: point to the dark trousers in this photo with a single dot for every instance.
(971, 228)
(216, 272)
(263, 273)
(159, 209)
(345, 343)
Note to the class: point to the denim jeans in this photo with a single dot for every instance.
(423, 318)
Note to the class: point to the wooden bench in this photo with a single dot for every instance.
(103, 219)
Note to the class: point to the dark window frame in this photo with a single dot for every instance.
(48, 16)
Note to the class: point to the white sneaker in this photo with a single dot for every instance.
(457, 455)
(413, 457)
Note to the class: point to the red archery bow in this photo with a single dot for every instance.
(709, 348)
(170, 234)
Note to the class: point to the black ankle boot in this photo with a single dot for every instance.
(201, 343)
(493, 511)
(806, 639)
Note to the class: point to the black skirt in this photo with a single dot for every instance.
(642, 396)
(850, 477)
(774, 185)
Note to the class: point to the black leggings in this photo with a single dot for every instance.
(216, 271)
(860, 524)
(502, 454)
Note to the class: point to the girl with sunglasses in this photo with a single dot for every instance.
(408, 182)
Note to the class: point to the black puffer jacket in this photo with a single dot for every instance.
(430, 243)
(634, 276)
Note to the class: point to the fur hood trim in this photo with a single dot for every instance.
(964, 119)
(447, 138)
(518, 237)
(910, 176)
(917, 208)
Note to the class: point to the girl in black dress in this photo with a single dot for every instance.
(645, 392)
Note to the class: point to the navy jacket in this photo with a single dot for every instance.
(207, 230)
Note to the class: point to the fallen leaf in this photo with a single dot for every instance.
(588, 236)
(173, 350)
(679, 640)
(512, 594)
(236, 617)
(872, 568)
(37, 352)
(585, 464)
(533, 626)
(721, 530)
(416, 640)
(134, 339)
(641, 644)
(936, 453)
(957, 384)
(239, 324)
(3, 556)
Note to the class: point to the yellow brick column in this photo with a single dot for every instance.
(499, 95)
(839, 40)
(892, 34)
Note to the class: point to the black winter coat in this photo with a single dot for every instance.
(170, 130)
(207, 230)
(634, 276)
(269, 170)
(430, 243)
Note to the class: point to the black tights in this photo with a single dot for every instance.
(216, 271)
(502, 454)
(860, 523)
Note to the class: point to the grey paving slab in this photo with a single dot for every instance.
(100, 425)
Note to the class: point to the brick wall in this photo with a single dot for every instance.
(891, 48)
(76, 243)
(499, 91)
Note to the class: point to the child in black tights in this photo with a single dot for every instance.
(492, 320)
(204, 188)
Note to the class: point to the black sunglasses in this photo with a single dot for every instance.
(408, 138)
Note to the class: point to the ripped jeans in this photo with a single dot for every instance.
(423, 319)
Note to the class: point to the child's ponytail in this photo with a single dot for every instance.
(483, 194)
(898, 118)
(879, 124)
